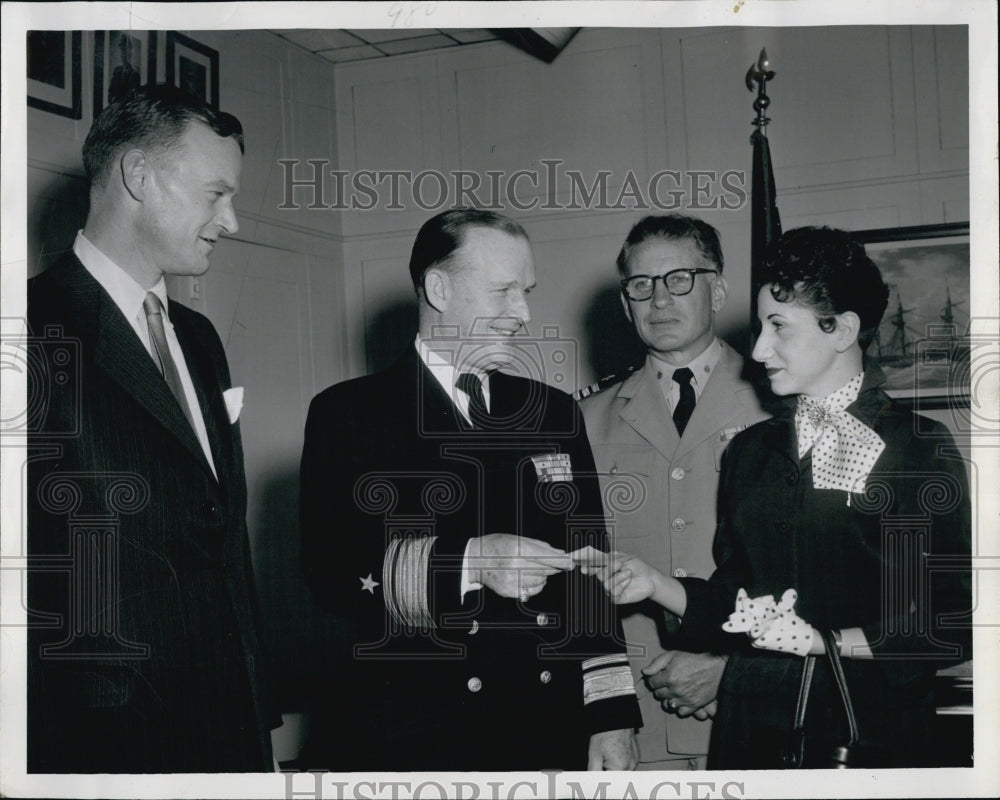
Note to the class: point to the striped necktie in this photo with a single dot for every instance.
(161, 353)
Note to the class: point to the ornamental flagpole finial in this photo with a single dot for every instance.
(760, 73)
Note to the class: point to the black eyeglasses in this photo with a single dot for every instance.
(678, 282)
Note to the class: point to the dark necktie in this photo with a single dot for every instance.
(161, 352)
(685, 404)
(473, 387)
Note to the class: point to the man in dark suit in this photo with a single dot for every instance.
(144, 650)
(439, 500)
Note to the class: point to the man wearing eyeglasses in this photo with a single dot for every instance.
(665, 427)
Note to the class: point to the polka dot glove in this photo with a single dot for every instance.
(750, 612)
(785, 631)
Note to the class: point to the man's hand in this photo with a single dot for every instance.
(514, 566)
(613, 750)
(685, 683)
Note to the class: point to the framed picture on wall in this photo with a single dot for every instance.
(53, 72)
(923, 343)
(123, 61)
(193, 67)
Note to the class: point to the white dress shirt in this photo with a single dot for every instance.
(446, 375)
(129, 296)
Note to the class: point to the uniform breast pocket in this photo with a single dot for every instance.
(627, 486)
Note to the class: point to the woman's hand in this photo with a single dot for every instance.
(629, 579)
(626, 579)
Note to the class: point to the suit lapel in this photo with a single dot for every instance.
(205, 378)
(119, 353)
(646, 411)
(435, 412)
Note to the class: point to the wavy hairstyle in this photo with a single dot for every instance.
(828, 271)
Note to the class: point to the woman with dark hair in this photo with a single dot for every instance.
(844, 508)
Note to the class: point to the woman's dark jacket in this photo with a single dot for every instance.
(894, 561)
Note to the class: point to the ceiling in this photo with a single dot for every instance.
(359, 44)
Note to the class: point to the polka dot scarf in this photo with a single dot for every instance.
(844, 448)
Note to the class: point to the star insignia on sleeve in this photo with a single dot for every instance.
(367, 584)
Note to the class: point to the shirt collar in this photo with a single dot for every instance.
(701, 366)
(446, 374)
(120, 286)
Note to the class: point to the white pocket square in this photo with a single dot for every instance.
(234, 402)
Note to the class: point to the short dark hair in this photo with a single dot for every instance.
(673, 227)
(152, 117)
(827, 270)
(439, 238)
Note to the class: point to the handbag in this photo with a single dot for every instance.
(796, 751)
(856, 753)
(844, 755)
(792, 748)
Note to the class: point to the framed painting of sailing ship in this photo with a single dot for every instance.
(922, 344)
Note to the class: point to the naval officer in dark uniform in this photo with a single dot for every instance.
(439, 500)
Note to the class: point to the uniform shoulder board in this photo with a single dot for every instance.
(604, 383)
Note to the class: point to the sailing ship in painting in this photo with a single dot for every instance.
(923, 341)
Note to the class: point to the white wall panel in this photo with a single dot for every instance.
(945, 199)
(387, 125)
(940, 75)
(591, 115)
(841, 102)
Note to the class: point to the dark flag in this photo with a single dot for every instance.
(765, 224)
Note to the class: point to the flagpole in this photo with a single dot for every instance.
(765, 224)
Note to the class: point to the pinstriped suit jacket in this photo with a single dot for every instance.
(144, 648)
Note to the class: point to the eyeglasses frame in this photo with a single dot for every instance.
(691, 271)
